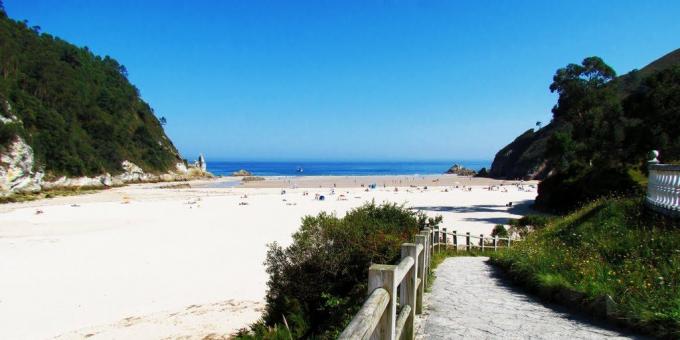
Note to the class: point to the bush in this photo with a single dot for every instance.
(319, 282)
(8, 131)
(499, 230)
(565, 192)
(522, 226)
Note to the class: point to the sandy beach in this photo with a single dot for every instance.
(159, 261)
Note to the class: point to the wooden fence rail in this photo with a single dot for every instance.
(450, 239)
(378, 317)
(382, 315)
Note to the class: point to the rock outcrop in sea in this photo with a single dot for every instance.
(242, 173)
(460, 170)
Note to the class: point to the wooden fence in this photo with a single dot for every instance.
(401, 286)
(663, 188)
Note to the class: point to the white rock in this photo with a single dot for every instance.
(106, 180)
(16, 169)
(181, 168)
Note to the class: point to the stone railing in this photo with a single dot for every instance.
(663, 188)
(378, 317)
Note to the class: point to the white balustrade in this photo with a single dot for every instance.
(663, 189)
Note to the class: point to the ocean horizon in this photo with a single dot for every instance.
(341, 168)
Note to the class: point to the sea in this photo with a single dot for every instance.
(260, 168)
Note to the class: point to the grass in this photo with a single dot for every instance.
(52, 193)
(609, 248)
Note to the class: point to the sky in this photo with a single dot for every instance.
(367, 80)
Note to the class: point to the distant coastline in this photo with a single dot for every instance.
(364, 168)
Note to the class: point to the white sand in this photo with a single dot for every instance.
(160, 267)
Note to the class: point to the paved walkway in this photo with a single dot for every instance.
(468, 301)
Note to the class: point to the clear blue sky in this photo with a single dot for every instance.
(354, 80)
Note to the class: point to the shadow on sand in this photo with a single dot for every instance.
(517, 208)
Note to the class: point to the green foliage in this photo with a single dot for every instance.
(78, 111)
(522, 226)
(260, 331)
(499, 230)
(654, 112)
(609, 247)
(534, 221)
(563, 192)
(319, 282)
(606, 135)
(8, 131)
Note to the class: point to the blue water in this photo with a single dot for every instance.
(340, 168)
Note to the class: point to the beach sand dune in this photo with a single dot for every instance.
(128, 262)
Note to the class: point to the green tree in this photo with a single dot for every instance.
(654, 112)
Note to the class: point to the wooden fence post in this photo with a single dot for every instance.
(421, 274)
(436, 237)
(455, 239)
(508, 241)
(495, 243)
(467, 241)
(430, 246)
(481, 241)
(426, 252)
(446, 241)
(382, 276)
(407, 291)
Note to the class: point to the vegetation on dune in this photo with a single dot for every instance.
(610, 247)
(319, 282)
(51, 193)
(75, 109)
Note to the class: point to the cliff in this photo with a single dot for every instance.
(523, 157)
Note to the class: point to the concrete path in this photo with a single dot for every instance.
(469, 301)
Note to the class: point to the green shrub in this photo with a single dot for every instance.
(564, 192)
(319, 282)
(522, 226)
(499, 230)
(7, 133)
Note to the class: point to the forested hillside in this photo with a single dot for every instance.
(608, 133)
(75, 109)
(607, 126)
(525, 156)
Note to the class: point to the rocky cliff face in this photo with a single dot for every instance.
(523, 158)
(17, 175)
(16, 170)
